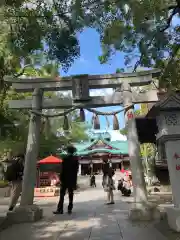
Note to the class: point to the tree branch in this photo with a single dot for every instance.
(169, 20)
(171, 59)
(22, 71)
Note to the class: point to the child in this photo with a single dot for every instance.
(110, 187)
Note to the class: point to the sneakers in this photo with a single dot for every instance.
(110, 203)
(61, 212)
(11, 209)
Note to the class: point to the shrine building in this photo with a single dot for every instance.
(100, 146)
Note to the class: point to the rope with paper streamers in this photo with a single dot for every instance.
(95, 117)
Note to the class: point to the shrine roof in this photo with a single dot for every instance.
(167, 101)
(115, 147)
(82, 146)
(103, 150)
(122, 145)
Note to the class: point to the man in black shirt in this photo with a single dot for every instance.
(68, 179)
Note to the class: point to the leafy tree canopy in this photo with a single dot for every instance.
(14, 135)
(28, 26)
(146, 30)
(143, 30)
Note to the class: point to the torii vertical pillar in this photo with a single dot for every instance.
(27, 211)
(32, 151)
(141, 209)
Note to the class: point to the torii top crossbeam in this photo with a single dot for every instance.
(80, 86)
(28, 84)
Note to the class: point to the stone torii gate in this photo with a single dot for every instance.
(80, 86)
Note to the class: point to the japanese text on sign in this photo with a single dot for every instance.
(176, 157)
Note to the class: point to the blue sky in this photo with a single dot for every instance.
(88, 63)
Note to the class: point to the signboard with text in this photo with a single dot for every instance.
(173, 159)
(46, 192)
(177, 159)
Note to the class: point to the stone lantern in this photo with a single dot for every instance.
(167, 113)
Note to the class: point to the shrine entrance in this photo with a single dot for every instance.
(92, 153)
(81, 99)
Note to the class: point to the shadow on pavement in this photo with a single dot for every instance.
(91, 219)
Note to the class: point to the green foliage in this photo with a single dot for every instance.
(14, 137)
(120, 70)
(39, 65)
(49, 145)
(123, 131)
(34, 27)
(77, 131)
(142, 30)
(148, 150)
(170, 78)
(27, 26)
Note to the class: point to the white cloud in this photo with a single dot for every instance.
(116, 136)
(101, 92)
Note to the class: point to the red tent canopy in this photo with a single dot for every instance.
(50, 160)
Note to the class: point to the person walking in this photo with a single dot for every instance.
(14, 175)
(68, 179)
(93, 181)
(105, 170)
(110, 187)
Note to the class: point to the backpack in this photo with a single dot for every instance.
(10, 171)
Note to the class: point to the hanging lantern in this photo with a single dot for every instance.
(82, 115)
(66, 123)
(96, 122)
(115, 123)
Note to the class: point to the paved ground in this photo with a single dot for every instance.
(91, 220)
